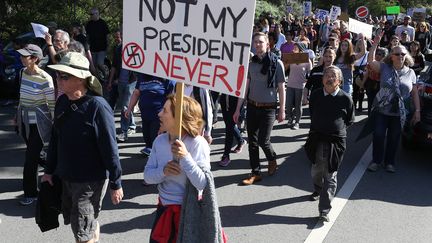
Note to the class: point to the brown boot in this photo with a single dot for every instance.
(251, 179)
(272, 167)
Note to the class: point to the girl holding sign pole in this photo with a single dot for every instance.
(181, 213)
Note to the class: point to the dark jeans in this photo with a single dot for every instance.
(231, 129)
(259, 126)
(150, 130)
(390, 125)
(371, 93)
(32, 159)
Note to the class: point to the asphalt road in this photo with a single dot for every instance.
(382, 207)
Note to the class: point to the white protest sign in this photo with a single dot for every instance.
(39, 30)
(307, 7)
(410, 11)
(335, 11)
(203, 43)
(358, 27)
(321, 14)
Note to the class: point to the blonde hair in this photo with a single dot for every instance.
(192, 118)
(409, 61)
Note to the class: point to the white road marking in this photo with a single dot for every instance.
(320, 231)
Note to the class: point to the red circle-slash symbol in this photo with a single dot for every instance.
(362, 12)
(133, 55)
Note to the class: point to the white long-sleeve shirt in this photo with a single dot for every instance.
(172, 188)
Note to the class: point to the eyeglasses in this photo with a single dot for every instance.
(399, 54)
(379, 54)
(422, 26)
(63, 76)
(58, 40)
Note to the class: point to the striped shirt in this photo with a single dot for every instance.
(36, 90)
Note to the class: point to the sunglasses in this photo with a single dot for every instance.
(379, 54)
(399, 54)
(63, 76)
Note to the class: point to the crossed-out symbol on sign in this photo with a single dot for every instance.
(133, 55)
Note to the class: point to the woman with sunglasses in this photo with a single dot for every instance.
(34, 116)
(423, 36)
(398, 84)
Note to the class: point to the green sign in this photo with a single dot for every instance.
(393, 10)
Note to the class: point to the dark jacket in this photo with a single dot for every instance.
(83, 145)
(337, 148)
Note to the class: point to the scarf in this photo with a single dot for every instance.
(269, 65)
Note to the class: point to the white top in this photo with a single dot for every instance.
(172, 188)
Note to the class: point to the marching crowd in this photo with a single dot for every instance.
(67, 110)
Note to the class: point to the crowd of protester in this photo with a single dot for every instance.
(342, 69)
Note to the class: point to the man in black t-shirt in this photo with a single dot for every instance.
(97, 33)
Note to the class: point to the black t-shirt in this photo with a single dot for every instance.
(97, 32)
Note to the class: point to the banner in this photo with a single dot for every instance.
(307, 7)
(357, 27)
(202, 43)
(335, 11)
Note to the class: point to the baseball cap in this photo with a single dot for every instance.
(404, 32)
(31, 50)
(76, 64)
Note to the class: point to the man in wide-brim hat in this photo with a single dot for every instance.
(83, 147)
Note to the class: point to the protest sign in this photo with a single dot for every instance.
(201, 43)
(295, 58)
(410, 11)
(419, 14)
(393, 10)
(39, 30)
(335, 11)
(307, 8)
(321, 14)
(358, 27)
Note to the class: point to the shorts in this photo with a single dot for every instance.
(81, 204)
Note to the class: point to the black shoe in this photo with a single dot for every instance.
(324, 217)
(314, 196)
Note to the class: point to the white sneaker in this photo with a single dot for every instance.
(131, 131)
(122, 137)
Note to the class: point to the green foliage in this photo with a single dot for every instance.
(264, 7)
(16, 15)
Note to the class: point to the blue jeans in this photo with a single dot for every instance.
(294, 98)
(98, 58)
(348, 88)
(125, 91)
(231, 129)
(390, 125)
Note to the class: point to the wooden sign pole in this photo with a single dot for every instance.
(178, 111)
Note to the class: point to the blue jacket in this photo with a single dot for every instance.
(83, 145)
